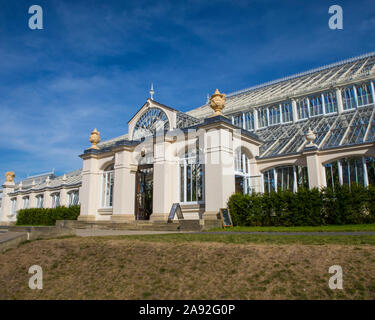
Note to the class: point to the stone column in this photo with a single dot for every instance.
(219, 171)
(124, 187)
(294, 109)
(32, 203)
(47, 199)
(64, 198)
(19, 202)
(90, 190)
(315, 170)
(255, 119)
(340, 106)
(8, 187)
(165, 190)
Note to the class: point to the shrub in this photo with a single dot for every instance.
(344, 205)
(46, 217)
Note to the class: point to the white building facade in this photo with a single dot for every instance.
(314, 129)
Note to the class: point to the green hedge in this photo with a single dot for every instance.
(344, 205)
(46, 217)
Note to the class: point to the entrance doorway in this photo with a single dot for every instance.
(143, 192)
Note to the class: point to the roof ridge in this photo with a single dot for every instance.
(301, 74)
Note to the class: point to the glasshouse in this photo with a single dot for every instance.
(309, 130)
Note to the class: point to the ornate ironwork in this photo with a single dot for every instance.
(153, 120)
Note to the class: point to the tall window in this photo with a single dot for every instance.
(26, 202)
(285, 178)
(73, 198)
(39, 201)
(302, 109)
(370, 166)
(238, 120)
(348, 98)
(55, 200)
(107, 187)
(330, 101)
(242, 172)
(364, 94)
(332, 174)
(347, 171)
(274, 115)
(13, 206)
(262, 117)
(269, 180)
(316, 106)
(249, 120)
(287, 112)
(191, 176)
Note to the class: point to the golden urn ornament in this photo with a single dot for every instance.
(10, 176)
(95, 139)
(217, 103)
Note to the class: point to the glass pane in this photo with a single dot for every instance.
(345, 172)
(370, 163)
(182, 183)
(188, 182)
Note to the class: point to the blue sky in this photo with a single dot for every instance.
(93, 63)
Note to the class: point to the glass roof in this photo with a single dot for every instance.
(353, 127)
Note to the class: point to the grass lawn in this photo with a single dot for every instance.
(191, 266)
(329, 228)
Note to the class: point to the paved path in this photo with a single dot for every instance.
(102, 232)
(6, 236)
(296, 233)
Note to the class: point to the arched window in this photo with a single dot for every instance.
(73, 198)
(242, 172)
(151, 121)
(191, 177)
(330, 101)
(26, 202)
(348, 98)
(55, 200)
(39, 201)
(262, 117)
(287, 112)
(302, 109)
(107, 187)
(358, 170)
(316, 105)
(275, 116)
(364, 94)
(285, 178)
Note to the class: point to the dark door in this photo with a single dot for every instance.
(143, 192)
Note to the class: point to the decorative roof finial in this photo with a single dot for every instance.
(64, 177)
(95, 139)
(152, 92)
(208, 99)
(217, 103)
(10, 175)
(310, 137)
